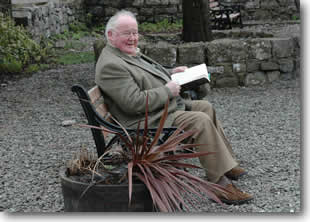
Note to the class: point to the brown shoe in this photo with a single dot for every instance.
(235, 173)
(233, 196)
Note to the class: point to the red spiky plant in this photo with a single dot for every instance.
(160, 167)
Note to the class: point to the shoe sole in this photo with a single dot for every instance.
(237, 177)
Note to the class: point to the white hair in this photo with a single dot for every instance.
(113, 21)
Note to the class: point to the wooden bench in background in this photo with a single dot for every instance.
(97, 114)
(224, 15)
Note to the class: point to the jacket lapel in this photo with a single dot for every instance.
(161, 74)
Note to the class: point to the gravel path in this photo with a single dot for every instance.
(262, 123)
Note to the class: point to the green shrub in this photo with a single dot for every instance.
(10, 65)
(18, 50)
(32, 68)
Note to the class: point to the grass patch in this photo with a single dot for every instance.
(163, 26)
(76, 58)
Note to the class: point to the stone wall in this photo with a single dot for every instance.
(274, 10)
(47, 17)
(146, 10)
(156, 10)
(5, 7)
(234, 62)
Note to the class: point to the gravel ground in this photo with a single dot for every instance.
(262, 123)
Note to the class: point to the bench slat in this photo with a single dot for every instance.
(94, 94)
(97, 100)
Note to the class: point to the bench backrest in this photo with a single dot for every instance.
(98, 115)
(96, 98)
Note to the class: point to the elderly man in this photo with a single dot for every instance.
(126, 76)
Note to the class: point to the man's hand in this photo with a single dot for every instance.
(174, 87)
(179, 69)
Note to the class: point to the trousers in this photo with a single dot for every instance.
(202, 117)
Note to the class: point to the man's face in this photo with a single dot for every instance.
(125, 36)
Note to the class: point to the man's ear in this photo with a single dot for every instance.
(110, 35)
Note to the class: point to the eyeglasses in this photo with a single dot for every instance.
(128, 34)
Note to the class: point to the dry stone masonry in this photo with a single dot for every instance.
(49, 17)
(46, 18)
(234, 62)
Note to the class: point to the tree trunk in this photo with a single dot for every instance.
(196, 21)
(297, 3)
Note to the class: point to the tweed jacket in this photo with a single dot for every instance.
(125, 83)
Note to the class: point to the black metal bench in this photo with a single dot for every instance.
(98, 115)
(225, 15)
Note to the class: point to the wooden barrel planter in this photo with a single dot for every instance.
(104, 198)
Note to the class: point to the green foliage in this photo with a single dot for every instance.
(78, 27)
(10, 65)
(88, 19)
(76, 58)
(75, 45)
(76, 31)
(32, 68)
(98, 30)
(162, 26)
(18, 50)
(295, 17)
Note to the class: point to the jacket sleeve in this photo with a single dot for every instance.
(117, 83)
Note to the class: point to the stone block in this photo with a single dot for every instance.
(15, 2)
(269, 4)
(216, 69)
(273, 76)
(256, 78)
(287, 76)
(252, 4)
(296, 40)
(22, 13)
(282, 47)
(228, 71)
(147, 11)
(164, 2)
(174, 2)
(239, 51)
(259, 49)
(286, 65)
(239, 67)
(230, 81)
(252, 65)
(109, 11)
(152, 2)
(138, 3)
(191, 53)
(166, 10)
(219, 51)
(113, 3)
(98, 45)
(297, 67)
(269, 66)
(163, 53)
